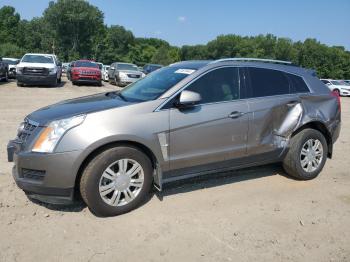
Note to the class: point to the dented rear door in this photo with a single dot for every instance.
(273, 112)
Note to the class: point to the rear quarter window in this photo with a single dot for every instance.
(298, 84)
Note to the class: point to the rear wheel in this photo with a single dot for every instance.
(307, 154)
(116, 181)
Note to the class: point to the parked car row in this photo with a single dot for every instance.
(46, 69)
(341, 87)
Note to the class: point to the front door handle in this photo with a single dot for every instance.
(235, 114)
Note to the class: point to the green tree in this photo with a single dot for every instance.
(9, 21)
(74, 24)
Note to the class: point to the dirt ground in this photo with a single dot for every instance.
(253, 214)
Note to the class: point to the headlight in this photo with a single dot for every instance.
(52, 70)
(122, 74)
(19, 70)
(49, 138)
(143, 75)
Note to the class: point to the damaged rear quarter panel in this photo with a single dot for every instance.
(275, 119)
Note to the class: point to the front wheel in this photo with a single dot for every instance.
(307, 154)
(116, 181)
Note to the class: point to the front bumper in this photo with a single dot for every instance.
(344, 92)
(46, 177)
(35, 79)
(86, 79)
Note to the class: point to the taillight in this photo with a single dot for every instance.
(336, 94)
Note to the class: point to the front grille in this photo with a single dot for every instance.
(36, 71)
(134, 76)
(88, 72)
(32, 174)
(26, 129)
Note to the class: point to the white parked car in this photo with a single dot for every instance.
(337, 86)
(42, 69)
(12, 63)
(104, 72)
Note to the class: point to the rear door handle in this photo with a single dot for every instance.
(235, 114)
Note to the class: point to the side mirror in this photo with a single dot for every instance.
(188, 99)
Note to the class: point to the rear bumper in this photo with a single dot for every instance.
(33, 79)
(46, 177)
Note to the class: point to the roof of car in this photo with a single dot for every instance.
(40, 54)
(10, 58)
(192, 64)
(269, 64)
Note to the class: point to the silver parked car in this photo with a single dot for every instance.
(185, 120)
(123, 74)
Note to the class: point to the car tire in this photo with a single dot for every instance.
(94, 175)
(6, 79)
(305, 160)
(20, 84)
(99, 83)
(60, 80)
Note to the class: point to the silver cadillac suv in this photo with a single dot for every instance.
(188, 119)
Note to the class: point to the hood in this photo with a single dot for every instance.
(77, 106)
(12, 66)
(25, 64)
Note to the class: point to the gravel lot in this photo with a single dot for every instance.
(252, 214)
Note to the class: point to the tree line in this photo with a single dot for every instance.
(75, 29)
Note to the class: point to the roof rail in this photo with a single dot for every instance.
(253, 60)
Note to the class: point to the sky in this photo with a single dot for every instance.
(188, 22)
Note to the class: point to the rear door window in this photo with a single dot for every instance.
(267, 82)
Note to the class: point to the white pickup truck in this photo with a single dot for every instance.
(41, 69)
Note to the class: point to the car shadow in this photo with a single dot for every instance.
(59, 85)
(185, 186)
(220, 179)
(77, 206)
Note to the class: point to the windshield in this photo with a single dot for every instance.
(42, 59)
(344, 83)
(10, 61)
(155, 84)
(336, 83)
(86, 64)
(127, 67)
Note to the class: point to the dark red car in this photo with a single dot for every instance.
(86, 71)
